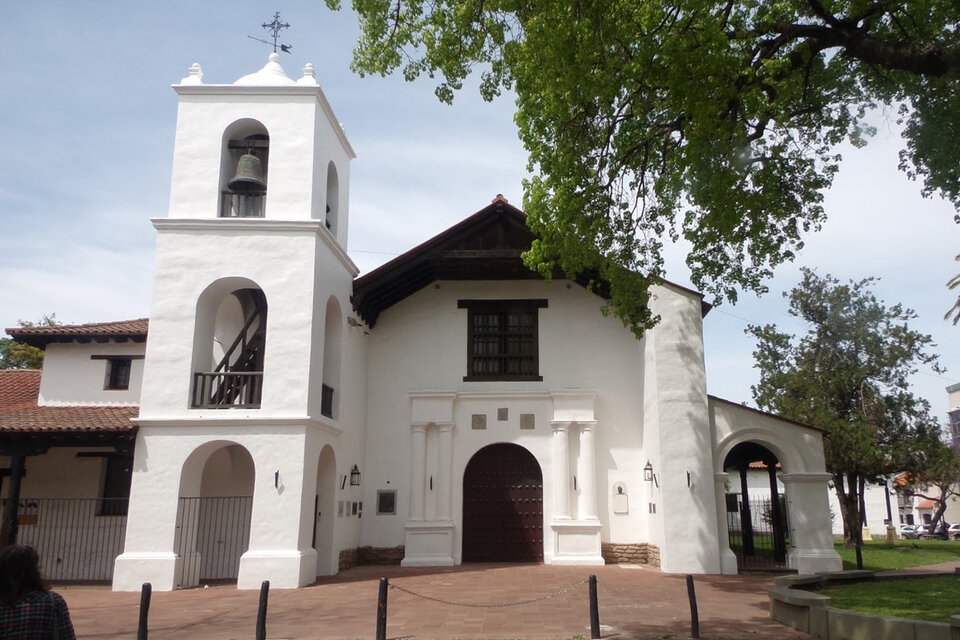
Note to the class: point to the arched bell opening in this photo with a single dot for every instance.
(243, 170)
(757, 523)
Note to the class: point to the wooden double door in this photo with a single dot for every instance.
(503, 506)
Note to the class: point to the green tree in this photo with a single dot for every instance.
(935, 476)
(848, 373)
(17, 355)
(712, 121)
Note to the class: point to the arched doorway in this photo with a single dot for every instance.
(213, 513)
(503, 506)
(756, 511)
(324, 506)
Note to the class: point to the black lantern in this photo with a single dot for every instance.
(355, 476)
(648, 472)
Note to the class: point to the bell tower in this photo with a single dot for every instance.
(248, 373)
(265, 146)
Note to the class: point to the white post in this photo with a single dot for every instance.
(561, 470)
(418, 470)
(444, 470)
(587, 501)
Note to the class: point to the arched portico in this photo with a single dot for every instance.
(214, 512)
(788, 453)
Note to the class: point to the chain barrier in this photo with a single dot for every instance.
(490, 605)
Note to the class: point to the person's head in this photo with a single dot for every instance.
(19, 572)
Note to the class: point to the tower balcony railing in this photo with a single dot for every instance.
(227, 390)
(242, 205)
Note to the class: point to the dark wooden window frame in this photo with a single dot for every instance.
(117, 375)
(528, 307)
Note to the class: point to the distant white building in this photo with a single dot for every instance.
(447, 407)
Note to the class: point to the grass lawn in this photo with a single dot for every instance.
(877, 556)
(934, 599)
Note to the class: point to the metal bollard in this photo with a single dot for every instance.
(694, 614)
(145, 592)
(382, 611)
(261, 633)
(594, 610)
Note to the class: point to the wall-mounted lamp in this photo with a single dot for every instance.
(355, 476)
(648, 472)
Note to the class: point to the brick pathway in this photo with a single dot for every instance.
(634, 602)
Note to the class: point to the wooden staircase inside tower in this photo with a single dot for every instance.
(237, 380)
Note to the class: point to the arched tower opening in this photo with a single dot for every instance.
(332, 342)
(229, 345)
(244, 161)
(333, 198)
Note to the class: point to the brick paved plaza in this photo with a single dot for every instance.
(635, 602)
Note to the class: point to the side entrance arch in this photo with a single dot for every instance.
(503, 506)
(757, 523)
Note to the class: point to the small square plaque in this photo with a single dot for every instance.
(503, 414)
(478, 421)
(527, 421)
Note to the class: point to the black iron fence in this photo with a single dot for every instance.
(758, 536)
(77, 539)
(212, 534)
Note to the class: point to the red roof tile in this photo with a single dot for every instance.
(41, 336)
(19, 413)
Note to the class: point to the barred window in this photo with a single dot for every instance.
(118, 374)
(502, 339)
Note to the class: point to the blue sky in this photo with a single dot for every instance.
(88, 117)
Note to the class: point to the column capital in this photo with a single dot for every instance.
(445, 427)
(560, 425)
(419, 426)
(586, 425)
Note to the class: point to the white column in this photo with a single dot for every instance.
(418, 470)
(561, 470)
(811, 541)
(587, 474)
(444, 470)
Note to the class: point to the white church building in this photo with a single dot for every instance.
(287, 417)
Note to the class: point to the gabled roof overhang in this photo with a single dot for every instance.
(488, 245)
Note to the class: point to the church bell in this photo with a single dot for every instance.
(249, 177)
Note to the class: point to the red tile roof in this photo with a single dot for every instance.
(135, 330)
(19, 413)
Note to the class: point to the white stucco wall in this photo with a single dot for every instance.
(71, 377)
(420, 344)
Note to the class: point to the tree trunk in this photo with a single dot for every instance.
(849, 509)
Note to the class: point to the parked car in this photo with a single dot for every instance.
(953, 531)
(908, 531)
(922, 530)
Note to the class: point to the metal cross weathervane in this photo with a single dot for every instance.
(275, 28)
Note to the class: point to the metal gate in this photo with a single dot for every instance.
(77, 538)
(212, 534)
(758, 536)
(503, 506)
